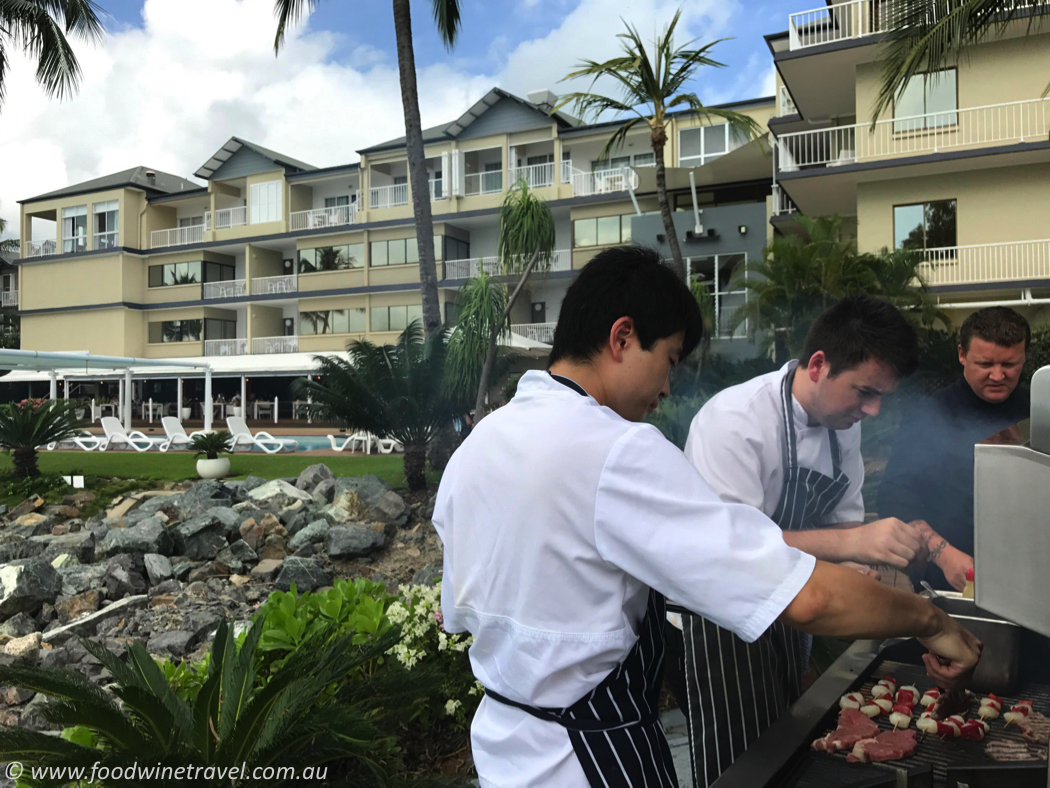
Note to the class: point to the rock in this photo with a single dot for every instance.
(202, 536)
(87, 624)
(182, 569)
(202, 623)
(350, 541)
(170, 586)
(25, 587)
(240, 580)
(267, 569)
(65, 561)
(158, 568)
(312, 476)
(74, 607)
(290, 511)
(236, 555)
(426, 511)
(173, 644)
(28, 505)
(124, 576)
(251, 533)
(207, 570)
(428, 575)
(391, 508)
(62, 512)
(307, 575)
(272, 525)
(150, 536)
(18, 626)
(252, 482)
(80, 544)
(80, 499)
(13, 696)
(230, 522)
(18, 548)
(278, 494)
(369, 488)
(77, 579)
(34, 524)
(346, 508)
(302, 518)
(274, 547)
(324, 492)
(202, 496)
(3, 508)
(24, 648)
(306, 551)
(314, 532)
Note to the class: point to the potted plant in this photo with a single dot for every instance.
(211, 445)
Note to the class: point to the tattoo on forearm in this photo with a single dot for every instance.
(935, 552)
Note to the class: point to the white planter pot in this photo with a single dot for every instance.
(185, 414)
(235, 410)
(213, 469)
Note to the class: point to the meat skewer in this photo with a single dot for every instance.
(930, 697)
(990, 707)
(952, 702)
(851, 700)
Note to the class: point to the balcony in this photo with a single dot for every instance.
(41, 248)
(985, 263)
(787, 104)
(179, 236)
(782, 204)
(585, 184)
(10, 298)
(437, 189)
(230, 288)
(476, 183)
(226, 218)
(270, 285)
(974, 127)
(275, 345)
(560, 260)
(537, 332)
(535, 175)
(225, 347)
(322, 217)
(840, 22)
(388, 196)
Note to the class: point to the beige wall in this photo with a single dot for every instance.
(301, 198)
(130, 204)
(100, 331)
(266, 321)
(263, 262)
(71, 282)
(328, 280)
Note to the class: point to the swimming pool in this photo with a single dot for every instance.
(310, 442)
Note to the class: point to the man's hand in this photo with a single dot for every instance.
(888, 542)
(955, 564)
(954, 653)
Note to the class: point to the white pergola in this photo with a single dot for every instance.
(69, 364)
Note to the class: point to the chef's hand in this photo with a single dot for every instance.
(954, 653)
(888, 542)
(955, 564)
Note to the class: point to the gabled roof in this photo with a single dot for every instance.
(161, 183)
(449, 131)
(234, 144)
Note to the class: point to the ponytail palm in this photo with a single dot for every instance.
(27, 425)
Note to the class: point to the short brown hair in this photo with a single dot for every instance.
(861, 327)
(997, 324)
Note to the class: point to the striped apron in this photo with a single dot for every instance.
(735, 690)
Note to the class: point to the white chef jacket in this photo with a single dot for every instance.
(736, 440)
(557, 516)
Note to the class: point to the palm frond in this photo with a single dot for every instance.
(447, 19)
(288, 13)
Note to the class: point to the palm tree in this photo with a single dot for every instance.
(926, 35)
(649, 90)
(447, 19)
(394, 391)
(7, 245)
(39, 29)
(483, 303)
(26, 425)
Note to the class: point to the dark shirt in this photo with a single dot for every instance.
(930, 473)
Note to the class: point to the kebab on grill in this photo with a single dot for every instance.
(886, 687)
(990, 707)
(901, 716)
(851, 700)
(1018, 712)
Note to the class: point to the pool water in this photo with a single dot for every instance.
(311, 442)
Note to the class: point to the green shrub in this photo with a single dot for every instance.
(212, 444)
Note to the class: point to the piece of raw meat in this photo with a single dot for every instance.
(852, 727)
(887, 746)
(1035, 728)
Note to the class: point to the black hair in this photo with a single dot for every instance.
(997, 324)
(861, 327)
(625, 281)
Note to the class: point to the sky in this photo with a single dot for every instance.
(173, 80)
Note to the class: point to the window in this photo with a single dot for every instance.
(932, 98)
(332, 321)
(331, 258)
(265, 201)
(191, 221)
(74, 229)
(925, 226)
(106, 224)
(219, 272)
(395, 318)
(175, 331)
(455, 249)
(602, 231)
(214, 328)
(698, 146)
(336, 202)
(176, 274)
(403, 251)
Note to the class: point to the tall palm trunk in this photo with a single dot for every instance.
(417, 168)
(24, 461)
(415, 466)
(659, 140)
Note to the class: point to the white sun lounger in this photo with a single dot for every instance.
(242, 436)
(82, 440)
(388, 445)
(351, 442)
(117, 435)
(177, 437)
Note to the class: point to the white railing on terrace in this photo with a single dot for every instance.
(537, 332)
(41, 248)
(10, 298)
(437, 189)
(468, 268)
(230, 288)
(534, 175)
(475, 183)
(603, 181)
(388, 196)
(782, 204)
(226, 217)
(225, 347)
(566, 171)
(980, 263)
(787, 104)
(178, 236)
(973, 127)
(322, 217)
(840, 22)
(275, 345)
(268, 285)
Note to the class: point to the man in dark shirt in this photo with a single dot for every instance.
(930, 473)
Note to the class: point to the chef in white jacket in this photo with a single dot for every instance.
(565, 521)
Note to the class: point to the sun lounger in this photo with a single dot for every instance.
(116, 435)
(177, 437)
(242, 436)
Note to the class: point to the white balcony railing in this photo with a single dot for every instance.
(437, 189)
(537, 332)
(225, 347)
(275, 345)
(41, 248)
(178, 236)
(226, 217)
(268, 285)
(603, 181)
(322, 217)
(534, 175)
(973, 127)
(388, 196)
(467, 268)
(981, 263)
(10, 298)
(782, 204)
(230, 288)
(787, 104)
(475, 183)
(566, 171)
(839, 22)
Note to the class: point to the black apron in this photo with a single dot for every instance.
(735, 690)
(615, 728)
